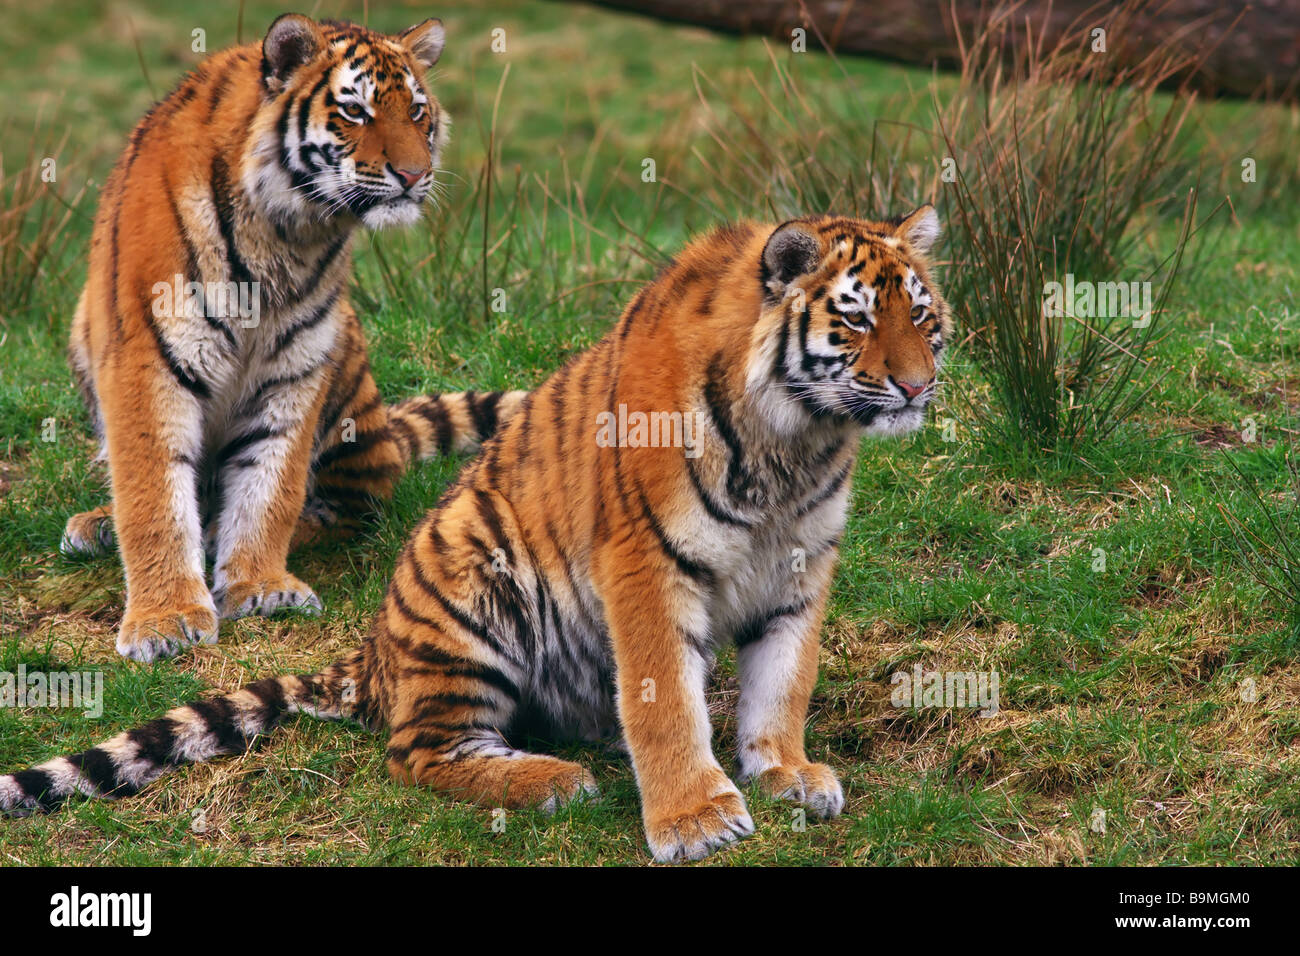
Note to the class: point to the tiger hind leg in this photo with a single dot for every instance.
(89, 533)
(482, 768)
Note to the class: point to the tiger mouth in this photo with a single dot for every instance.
(364, 204)
(870, 413)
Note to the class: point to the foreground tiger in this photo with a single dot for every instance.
(579, 576)
(224, 369)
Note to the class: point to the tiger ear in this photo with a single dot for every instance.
(790, 252)
(292, 41)
(424, 41)
(920, 229)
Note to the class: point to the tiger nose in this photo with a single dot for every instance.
(408, 177)
(910, 389)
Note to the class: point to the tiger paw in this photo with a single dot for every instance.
(150, 635)
(549, 783)
(266, 597)
(694, 833)
(814, 785)
(89, 533)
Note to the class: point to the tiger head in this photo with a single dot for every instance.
(350, 128)
(861, 324)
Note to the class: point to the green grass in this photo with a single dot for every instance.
(1121, 690)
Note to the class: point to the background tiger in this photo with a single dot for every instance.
(576, 586)
(225, 428)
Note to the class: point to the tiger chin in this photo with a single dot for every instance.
(234, 434)
(572, 586)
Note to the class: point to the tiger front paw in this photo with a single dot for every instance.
(149, 635)
(814, 785)
(266, 597)
(693, 832)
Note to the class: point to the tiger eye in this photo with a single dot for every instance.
(917, 312)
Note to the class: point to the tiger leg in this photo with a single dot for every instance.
(153, 427)
(480, 767)
(459, 687)
(688, 805)
(89, 533)
(262, 477)
(777, 664)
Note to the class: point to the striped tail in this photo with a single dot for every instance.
(430, 425)
(196, 732)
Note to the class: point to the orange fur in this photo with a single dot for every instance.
(237, 435)
(567, 586)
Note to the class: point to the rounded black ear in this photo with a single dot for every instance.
(424, 41)
(790, 252)
(292, 41)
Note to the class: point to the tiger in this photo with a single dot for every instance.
(224, 369)
(579, 577)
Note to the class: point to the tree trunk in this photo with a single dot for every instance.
(1250, 49)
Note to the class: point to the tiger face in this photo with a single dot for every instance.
(863, 325)
(359, 134)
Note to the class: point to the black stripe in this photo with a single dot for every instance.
(326, 260)
(625, 326)
(434, 412)
(437, 734)
(218, 714)
(346, 449)
(225, 207)
(191, 383)
(406, 434)
(487, 510)
(285, 338)
(461, 617)
(292, 379)
(304, 107)
(270, 696)
(156, 741)
(218, 91)
(447, 664)
(757, 628)
(361, 411)
(506, 598)
(299, 180)
(487, 675)
(714, 510)
(483, 409)
(340, 397)
(437, 704)
(412, 615)
(780, 370)
(37, 785)
(688, 566)
(524, 439)
(99, 769)
(236, 445)
(829, 491)
(568, 570)
(192, 272)
(338, 494)
(738, 478)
